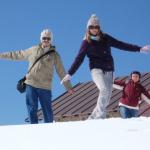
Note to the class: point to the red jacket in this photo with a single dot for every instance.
(131, 92)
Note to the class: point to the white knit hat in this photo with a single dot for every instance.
(93, 21)
(46, 33)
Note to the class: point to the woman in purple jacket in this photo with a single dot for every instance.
(97, 47)
(133, 92)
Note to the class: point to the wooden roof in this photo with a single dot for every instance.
(80, 104)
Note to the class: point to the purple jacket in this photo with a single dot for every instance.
(99, 53)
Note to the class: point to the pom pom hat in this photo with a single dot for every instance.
(93, 21)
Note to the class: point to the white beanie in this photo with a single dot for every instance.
(93, 21)
(46, 33)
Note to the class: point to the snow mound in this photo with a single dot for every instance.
(107, 134)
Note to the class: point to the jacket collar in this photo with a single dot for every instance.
(51, 48)
(137, 83)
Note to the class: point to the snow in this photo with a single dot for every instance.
(106, 134)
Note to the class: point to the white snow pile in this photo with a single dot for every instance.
(107, 134)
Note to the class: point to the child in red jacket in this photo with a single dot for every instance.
(133, 91)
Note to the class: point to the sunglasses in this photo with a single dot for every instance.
(94, 27)
(46, 38)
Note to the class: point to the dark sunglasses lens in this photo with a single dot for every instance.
(46, 38)
(93, 27)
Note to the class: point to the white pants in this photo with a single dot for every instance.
(104, 82)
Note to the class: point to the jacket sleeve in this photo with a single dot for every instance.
(118, 84)
(16, 55)
(145, 98)
(145, 95)
(61, 71)
(122, 45)
(79, 58)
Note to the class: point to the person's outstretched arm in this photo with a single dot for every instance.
(122, 45)
(126, 46)
(61, 71)
(119, 85)
(145, 98)
(77, 62)
(145, 95)
(16, 55)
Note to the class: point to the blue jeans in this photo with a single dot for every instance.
(44, 96)
(127, 112)
(103, 81)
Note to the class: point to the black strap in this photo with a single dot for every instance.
(48, 52)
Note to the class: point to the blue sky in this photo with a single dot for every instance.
(21, 24)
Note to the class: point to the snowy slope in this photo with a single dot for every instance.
(108, 134)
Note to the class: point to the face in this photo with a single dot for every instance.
(46, 41)
(135, 78)
(94, 30)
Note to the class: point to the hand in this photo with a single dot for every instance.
(114, 79)
(71, 91)
(66, 78)
(145, 49)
